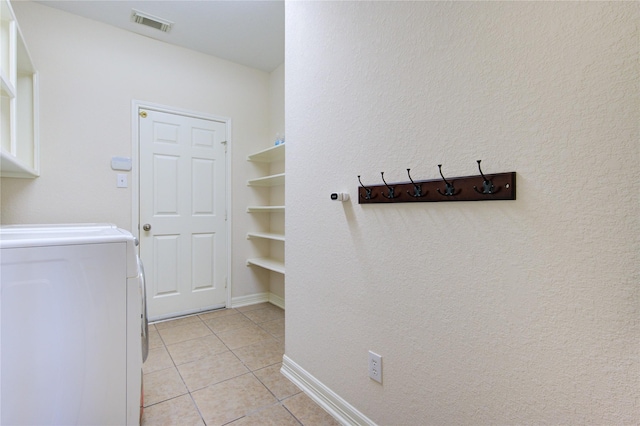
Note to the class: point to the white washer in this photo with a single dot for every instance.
(71, 307)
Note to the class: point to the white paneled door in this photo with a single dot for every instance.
(183, 231)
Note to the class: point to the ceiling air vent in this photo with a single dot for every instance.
(151, 21)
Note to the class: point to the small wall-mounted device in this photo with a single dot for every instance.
(339, 196)
(122, 180)
(121, 163)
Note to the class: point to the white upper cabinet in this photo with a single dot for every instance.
(19, 147)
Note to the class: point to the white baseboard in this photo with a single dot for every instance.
(253, 299)
(276, 300)
(332, 403)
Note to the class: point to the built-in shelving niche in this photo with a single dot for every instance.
(19, 142)
(270, 155)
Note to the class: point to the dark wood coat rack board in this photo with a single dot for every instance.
(489, 187)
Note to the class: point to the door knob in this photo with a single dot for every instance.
(146, 227)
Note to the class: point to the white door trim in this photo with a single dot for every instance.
(136, 105)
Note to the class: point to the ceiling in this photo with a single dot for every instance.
(247, 32)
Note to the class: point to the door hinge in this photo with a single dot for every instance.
(225, 145)
(143, 114)
(225, 282)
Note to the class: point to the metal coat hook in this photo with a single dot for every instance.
(367, 191)
(417, 189)
(392, 192)
(449, 188)
(487, 186)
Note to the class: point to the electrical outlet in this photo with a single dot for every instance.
(375, 367)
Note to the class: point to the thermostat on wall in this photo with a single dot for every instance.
(339, 196)
(121, 163)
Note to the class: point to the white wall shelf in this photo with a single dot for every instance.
(269, 155)
(19, 143)
(274, 233)
(7, 88)
(265, 209)
(11, 167)
(267, 263)
(273, 180)
(266, 235)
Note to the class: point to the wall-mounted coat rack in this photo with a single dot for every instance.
(491, 187)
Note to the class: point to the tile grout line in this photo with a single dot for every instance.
(252, 372)
(279, 402)
(249, 370)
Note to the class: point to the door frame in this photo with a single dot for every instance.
(136, 105)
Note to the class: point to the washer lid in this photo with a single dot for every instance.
(13, 236)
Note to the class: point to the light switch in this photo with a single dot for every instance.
(122, 180)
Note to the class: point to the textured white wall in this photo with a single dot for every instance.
(502, 312)
(89, 74)
(276, 280)
(276, 102)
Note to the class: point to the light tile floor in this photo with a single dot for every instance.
(223, 368)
